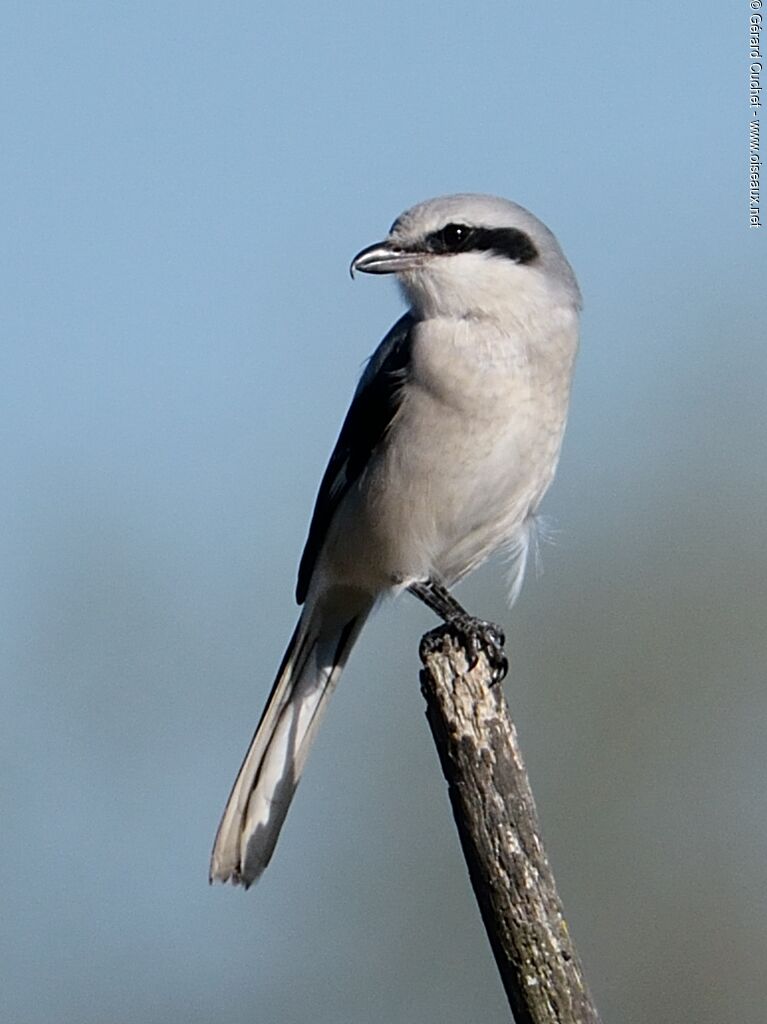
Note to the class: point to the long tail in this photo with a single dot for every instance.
(267, 780)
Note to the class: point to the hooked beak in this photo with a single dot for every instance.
(386, 258)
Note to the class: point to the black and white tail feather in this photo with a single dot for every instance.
(267, 780)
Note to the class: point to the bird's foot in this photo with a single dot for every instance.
(475, 636)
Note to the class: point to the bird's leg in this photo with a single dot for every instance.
(476, 634)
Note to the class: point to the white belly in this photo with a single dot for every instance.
(465, 463)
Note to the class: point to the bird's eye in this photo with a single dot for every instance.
(453, 237)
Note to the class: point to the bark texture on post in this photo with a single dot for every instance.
(498, 826)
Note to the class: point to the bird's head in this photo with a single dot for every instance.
(472, 256)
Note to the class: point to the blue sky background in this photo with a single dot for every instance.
(183, 186)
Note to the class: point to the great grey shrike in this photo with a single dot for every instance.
(449, 445)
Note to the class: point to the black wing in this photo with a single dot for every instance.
(373, 407)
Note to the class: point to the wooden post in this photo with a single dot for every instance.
(498, 827)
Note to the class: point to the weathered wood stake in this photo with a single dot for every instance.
(498, 826)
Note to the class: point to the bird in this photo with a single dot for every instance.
(451, 440)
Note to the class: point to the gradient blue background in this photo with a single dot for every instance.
(183, 186)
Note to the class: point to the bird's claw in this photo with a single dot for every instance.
(475, 636)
